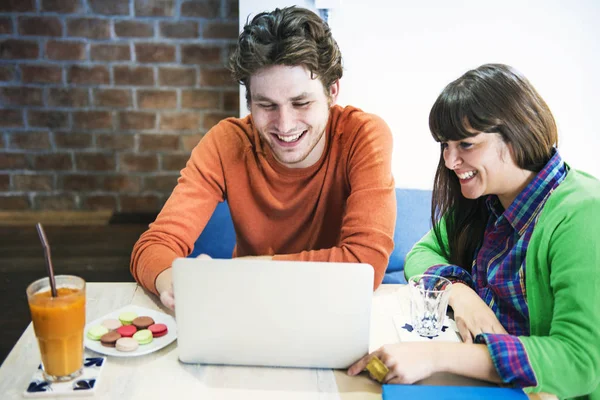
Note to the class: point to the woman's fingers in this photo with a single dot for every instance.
(360, 365)
(464, 331)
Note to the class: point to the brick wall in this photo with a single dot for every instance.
(101, 101)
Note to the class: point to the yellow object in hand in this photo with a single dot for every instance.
(377, 369)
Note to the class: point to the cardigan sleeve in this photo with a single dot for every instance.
(567, 361)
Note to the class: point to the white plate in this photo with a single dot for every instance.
(156, 344)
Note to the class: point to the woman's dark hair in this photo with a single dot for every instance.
(493, 98)
(289, 36)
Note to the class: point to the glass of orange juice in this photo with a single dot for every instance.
(58, 323)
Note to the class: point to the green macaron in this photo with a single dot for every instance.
(96, 332)
(127, 317)
(143, 336)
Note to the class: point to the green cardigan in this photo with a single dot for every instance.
(562, 279)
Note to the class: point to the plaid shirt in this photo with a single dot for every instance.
(499, 271)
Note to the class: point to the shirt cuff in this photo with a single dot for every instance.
(453, 273)
(510, 359)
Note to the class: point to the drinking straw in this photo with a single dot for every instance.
(49, 267)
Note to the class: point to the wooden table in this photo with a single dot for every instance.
(161, 374)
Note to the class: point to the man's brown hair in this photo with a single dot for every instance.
(290, 36)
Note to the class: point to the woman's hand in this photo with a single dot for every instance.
(407, 362)
(471, 314)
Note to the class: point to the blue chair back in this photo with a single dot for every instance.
(412, 222)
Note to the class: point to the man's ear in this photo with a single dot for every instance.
(334, 90)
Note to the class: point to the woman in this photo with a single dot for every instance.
(518, 232)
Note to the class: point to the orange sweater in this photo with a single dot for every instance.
(341, 209)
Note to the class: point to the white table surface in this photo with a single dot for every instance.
(161, 374)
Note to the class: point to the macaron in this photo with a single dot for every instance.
(127, 317)
(110, 339)
(158, 330)
(142, 322)
(127, 330)
(112, 324)
(96, 332)
(126, 344)
(143, 337)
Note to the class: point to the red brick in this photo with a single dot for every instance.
(200, 54)
(21, 96)
(154, 8)
(179, 29)
(109, 7)
(174, 162)
(79, 182)
(115, 141)
(90, 28)
(6, 26)
(216, 77)
(99, 202)
(157, 99)
(201, 8)
(177, 76)
(68, 97)
(121, 183)
(116, 98)
(110, 52)
(15, 49)
(13, 161)
(17, 5)
(189, 142)
(65, 50)
(154, 52)
(33, 182)
(158, 142)
(180, 121)
(231, 101)
(40, 74)
(4, 182)
(88, 75)
(95, 161)
(47, 118)
(12, 118)
(163, 183)
(200, 99)
(220, 30)
(40, 26)
(61, 6)
(130, 162)
(70, 140)
(134, 29)
(55, 202)
(232, 9)
(54, 161)
(213, 118)
(137, 76)
(137, 120)
(14, 202)
(92, 120)
(29, 140)
(7, 73)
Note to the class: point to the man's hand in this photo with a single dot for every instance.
(407, 362)
(164, 285)
(471, 314)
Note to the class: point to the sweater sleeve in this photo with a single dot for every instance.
(369, 219)
(567, 361)
(183, 217)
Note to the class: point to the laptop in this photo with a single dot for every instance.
(272, 313)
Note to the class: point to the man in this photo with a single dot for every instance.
(305, 180)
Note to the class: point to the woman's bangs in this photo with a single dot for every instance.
(450, 117)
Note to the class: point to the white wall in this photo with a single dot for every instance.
(398, 55)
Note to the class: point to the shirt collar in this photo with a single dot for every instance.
(528, 204)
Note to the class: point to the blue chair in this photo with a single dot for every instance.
(413, 206)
